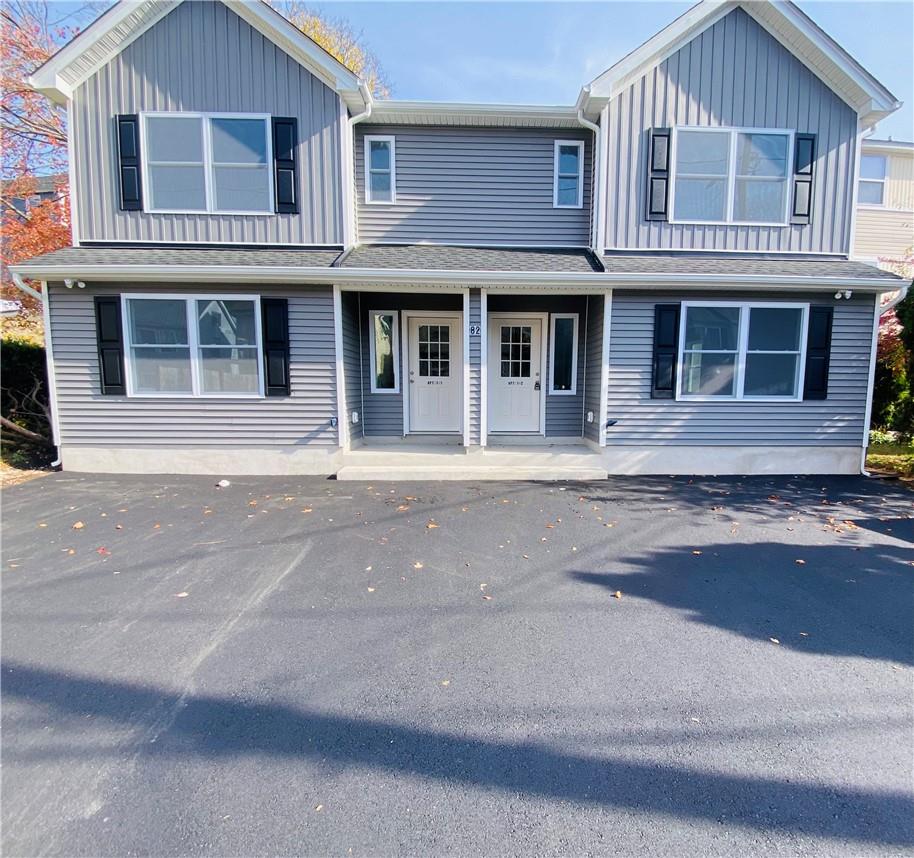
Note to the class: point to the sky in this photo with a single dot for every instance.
(543, 52)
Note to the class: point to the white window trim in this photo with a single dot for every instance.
(579, 145)
(208, 165)
(366, 157)
(882, 181)
(193, 336)
(741, 350)
(734, 133)
(574, 355)
(395, 344)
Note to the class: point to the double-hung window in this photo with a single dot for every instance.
(568, 171)
(384, 351)
(201, 162)
(742, 351)
(871, 191)
(203, 345)
(738, 176)
(380, 169)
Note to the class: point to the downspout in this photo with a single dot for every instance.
(596, 192)
(882, 310)
(350, 192)
(49, 359)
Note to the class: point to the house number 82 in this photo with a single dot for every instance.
(475, 330)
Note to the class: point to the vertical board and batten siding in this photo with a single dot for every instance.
(733, 74)
(473, 186)
(87, 418)
(594, 365)
(203, 57)
(475, 391)
(382, 413)
(564, 414)
(352, 362)
(642, 421)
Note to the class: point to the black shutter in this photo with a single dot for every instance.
(666, 351)
(110, 337)
(128, 168)
(285, 164)
(804, 159)
(658, 175)
(275, 345)
(818, 351)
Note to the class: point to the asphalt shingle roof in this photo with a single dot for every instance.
(430, 257)
(224, 256)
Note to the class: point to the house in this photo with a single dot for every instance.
(885, 203)
(22, 194)
(273, 272)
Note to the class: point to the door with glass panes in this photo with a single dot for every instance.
(515, 386)
(435, 374)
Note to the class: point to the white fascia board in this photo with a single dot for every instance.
(430, 111)
(901, 147)
(490, 279)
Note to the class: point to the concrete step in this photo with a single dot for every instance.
(470, 470)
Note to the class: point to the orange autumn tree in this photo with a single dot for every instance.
(33, 131)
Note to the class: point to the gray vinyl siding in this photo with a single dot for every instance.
(564, 414)
(352, 362)
(732, 74)
(835, 421)
(475, 392)
(203, 57)
(473, 186)
(594, 369)
(383, 412)
(88, 418)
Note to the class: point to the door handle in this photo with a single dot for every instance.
(536, 385)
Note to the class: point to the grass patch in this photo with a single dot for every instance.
(893, 457)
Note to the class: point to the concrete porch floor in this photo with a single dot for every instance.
(504, 462)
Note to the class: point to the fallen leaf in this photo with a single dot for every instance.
(487, 598)
(104, 515)
(804, 634)
(774, 640)
(525, 556)
(417, 565)
(551, 526)
(119, 527)
(617, 594)
(307, 509)
(102, 550)
(800, 562)
(252, 502)
(445, 682)
(78, 525)
(42, 524)
(71, 551)
(431, 526)
(696, 552)
(403, 507)
(574, 548)
(157, 526)
(223, 484)
(368, 569)
(182, 595)
(409, 497)
(289, 499)
(696, 720)
(371, 589)
(319, 808)
(464, 509)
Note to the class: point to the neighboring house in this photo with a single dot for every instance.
(45, 188)
(274, 273)
(885, 202)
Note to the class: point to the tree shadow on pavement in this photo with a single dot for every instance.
(212, 727)
(842, 600)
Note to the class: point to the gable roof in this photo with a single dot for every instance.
(124, 22)
(795, 30)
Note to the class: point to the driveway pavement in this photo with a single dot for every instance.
(650, 665)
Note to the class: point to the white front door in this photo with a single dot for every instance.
(435, 374)
(515, 387)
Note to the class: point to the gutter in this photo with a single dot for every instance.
(292, 274)
(49, 359)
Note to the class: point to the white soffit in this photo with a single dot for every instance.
(496, 115)
(786, 23)
(124, 22)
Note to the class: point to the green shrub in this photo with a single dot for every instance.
(24, 400)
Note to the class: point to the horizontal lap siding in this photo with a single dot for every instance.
(473, 185)
(352, 362)
(733, 74)
(87, 418)
(883, 233)
(203, 57)
(835, 421)
(594, 368)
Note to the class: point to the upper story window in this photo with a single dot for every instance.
(380, 170)
(731, 176)
(873, 170)
(200, 162)
(742, 351)
(568, 188)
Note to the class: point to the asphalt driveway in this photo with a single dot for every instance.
(661, 666)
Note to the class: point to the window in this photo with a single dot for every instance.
(434, 351)
(731, 175)
(208, 163)
(742, 351)
(871, 191)
(516, 359)
(563, 356)
(380, 170)
(385, 352)
(568, 190)
(192, 346)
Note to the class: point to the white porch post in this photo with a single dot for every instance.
(341, 421)
(466, 367)
(604, 364)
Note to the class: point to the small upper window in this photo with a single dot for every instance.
(731, 176)
(208, 163)
(380, 170)
(568, 190)
(873, 171)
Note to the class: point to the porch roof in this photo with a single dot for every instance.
(438, 257)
